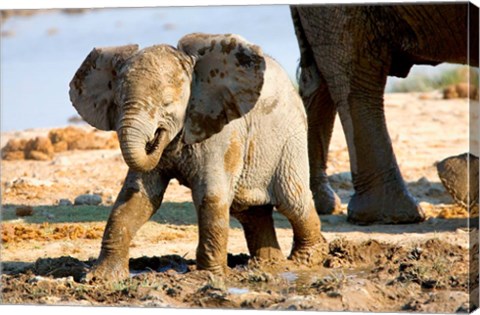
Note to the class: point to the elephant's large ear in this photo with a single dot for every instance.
(92, 87)
(227, 81)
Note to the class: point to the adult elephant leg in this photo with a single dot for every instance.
(380, 195)
(257, 223)
(321, 113)
(321, 117)
(139, 198)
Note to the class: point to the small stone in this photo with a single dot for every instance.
(64, 202)
(423, 181)
(110, 200)
(24, 211)
(88, 199)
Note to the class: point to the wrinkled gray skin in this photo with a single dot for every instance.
(459, 176)
(347, 52)
(210, 113)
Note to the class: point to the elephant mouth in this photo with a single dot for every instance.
(152, 145)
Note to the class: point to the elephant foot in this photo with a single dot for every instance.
(108, 271)
(269, 254)
(310, 255)
(326, 200)
(387, 204)
(217, 270)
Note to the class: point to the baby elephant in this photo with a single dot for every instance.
(223, 119)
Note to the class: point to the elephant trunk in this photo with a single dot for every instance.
(141, 143)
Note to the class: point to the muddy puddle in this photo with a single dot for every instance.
(367, 276)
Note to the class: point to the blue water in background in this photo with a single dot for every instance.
(40, 58)
(36, 67)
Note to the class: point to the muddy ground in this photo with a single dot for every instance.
(427, 267)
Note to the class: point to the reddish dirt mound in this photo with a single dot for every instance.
(39, 148)
(14, 233)
(58, 140)
(72, 138)
(14, 149)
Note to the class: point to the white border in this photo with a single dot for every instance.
(50, 4)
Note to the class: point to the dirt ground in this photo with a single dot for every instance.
(427, 267)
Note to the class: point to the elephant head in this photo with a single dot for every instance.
(151, 95)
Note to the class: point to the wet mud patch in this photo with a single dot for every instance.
(358, 276)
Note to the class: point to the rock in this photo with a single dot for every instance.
(423, 181)
(64, 202)
(24, 211)
(88, 199)
(459, 176)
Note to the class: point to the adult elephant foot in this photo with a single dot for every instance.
(386, 204)
(326, 200)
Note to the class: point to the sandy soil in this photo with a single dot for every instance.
(424, 267)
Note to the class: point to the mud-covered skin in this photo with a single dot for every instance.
(257, 223)
(347, 52)
(459, 176)
(211, 114)
(139, 199)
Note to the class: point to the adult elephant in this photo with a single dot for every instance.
(347, 52)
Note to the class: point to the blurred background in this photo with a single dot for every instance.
(41, 50)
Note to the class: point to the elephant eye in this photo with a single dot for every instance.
(168, 100)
